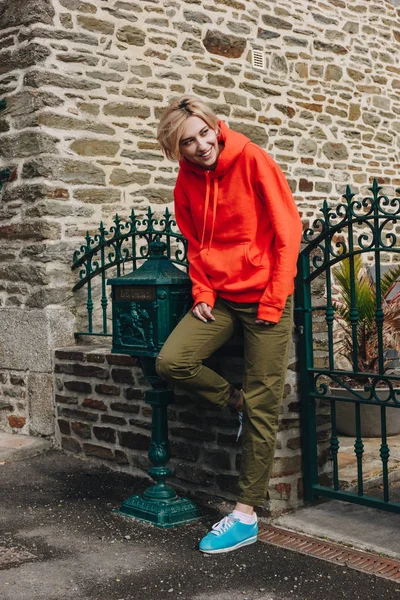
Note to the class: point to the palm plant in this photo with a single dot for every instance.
(367, 330)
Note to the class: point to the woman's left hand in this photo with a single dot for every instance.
(261, 322)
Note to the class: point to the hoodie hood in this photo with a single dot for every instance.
(232, 145)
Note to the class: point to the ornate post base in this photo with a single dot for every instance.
(159, 504)
(162, 514)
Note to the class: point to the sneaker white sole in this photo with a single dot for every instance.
(247, 542)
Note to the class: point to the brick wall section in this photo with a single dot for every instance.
(101, 414)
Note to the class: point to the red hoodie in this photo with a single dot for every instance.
(242, 227)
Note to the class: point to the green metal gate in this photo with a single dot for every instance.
(348, 322)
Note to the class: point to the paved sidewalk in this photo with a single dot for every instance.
(58, 508)
(17, 447)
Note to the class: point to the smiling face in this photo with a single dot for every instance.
(199, 143)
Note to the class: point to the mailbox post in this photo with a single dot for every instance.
(146, 306)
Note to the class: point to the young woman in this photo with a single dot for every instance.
(235, 208)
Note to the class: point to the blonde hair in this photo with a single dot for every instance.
(173, 120)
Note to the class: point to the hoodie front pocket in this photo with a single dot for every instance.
(254, 256)
(229, 267)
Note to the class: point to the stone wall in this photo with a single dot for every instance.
(85, 83)
(102, 415)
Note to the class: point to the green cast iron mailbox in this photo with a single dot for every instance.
(146, 306)
(148, 303)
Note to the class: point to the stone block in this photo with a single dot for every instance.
(123, 177)
(98, 451)
(134, 441)
(285, 466)
(91, 147)
(95, 404)
(26, 12)
(122, 376)
(69, 355)
(78, 386)
(27, 101)
(185, 451)
(66, 399)
(333, 73)
(89, 371)
(24, 273)
(105, 434)
(24, 57)
(37, 79)
(111, 420)
(276, 22)
(82, 430)
(70, 445)
(109, 390)
(127, 109)
(161, 195)
(64, 426)
(121, 359)
(193, 46)
(90, 108)
(197, 17)
(66, 20)
(258, 91)
(134, 394)
(84, 7)
(28, 143)
(40, 404)
(223, 44)
(97, 195)
(28, 337)
(16, 422)
(57, 34)
(256, 133)
(34, 231)
(283, 490)
(131, 35)
(335, 151)
(124, 408)
(121, 458)
(329, 48)
(68, 170)
(57, 121)
(95, 25)
(105, 76)
(79, 414)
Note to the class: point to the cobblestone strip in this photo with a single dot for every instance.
(354, 559)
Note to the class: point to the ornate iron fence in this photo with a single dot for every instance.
(346, 341)
(125, 246)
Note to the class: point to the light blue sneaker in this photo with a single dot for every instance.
(227, 535)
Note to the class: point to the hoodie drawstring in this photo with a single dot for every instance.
(215, 200)
(207, 201)
(206, 205)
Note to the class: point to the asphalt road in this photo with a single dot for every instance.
(59, 508)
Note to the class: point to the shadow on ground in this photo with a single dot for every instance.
(59, 509)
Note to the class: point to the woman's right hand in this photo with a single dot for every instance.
(203, 312)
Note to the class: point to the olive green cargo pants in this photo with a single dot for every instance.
(266, 351)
